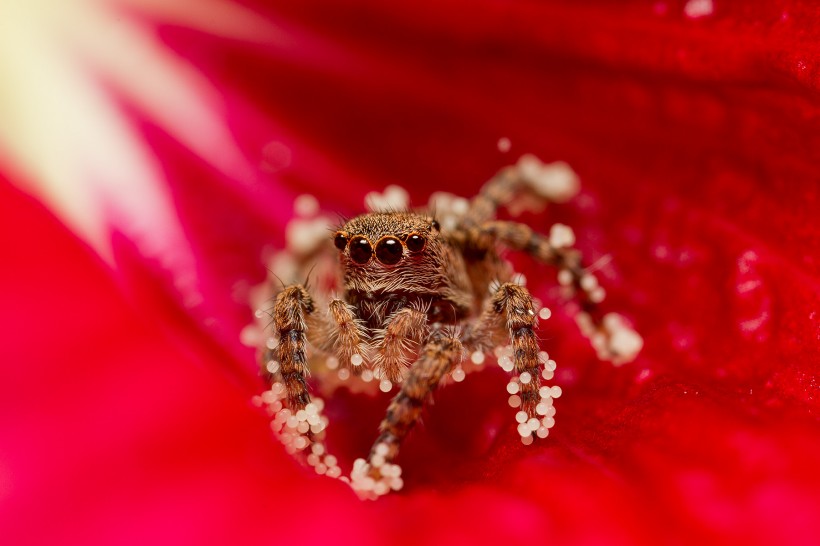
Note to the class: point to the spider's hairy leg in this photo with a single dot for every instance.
(437, 359)
(341, 333)
(512, 305)
(377, 475)
(519, 236)
(496, 192)
(529, 179)
(292, 306)
(404, 326)
(610, 336)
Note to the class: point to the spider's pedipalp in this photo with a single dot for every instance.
(341, 333)
(404, 328)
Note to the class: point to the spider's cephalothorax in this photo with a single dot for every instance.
(418, 297)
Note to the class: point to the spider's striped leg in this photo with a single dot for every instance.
(378, 475)
(292, 306)
(611, 338)
(530, 179)
(341, 333)
(404, 327)
(495, 193)
(510, 306)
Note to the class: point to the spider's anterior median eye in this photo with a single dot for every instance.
(360, 250)
(415, 242)
(340, 241)
(389, 251)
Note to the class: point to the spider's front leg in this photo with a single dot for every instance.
(378, 475)
(290, 311)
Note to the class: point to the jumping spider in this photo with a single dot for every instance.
(417, 296)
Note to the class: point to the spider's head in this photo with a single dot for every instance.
(390, 252)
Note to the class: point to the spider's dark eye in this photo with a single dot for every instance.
(415, 242)
(340, 241)
(436, 225)
(389, 251)
(360, 250)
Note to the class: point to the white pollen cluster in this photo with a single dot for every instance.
(449, 209)
(389, 475)
(556, 182)
(393, 198)
(306, 205)
(561, 236)
(300, 430)
(594, 291)
(695, 9)
(305, 236)
(614, 340)
(530, 427)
